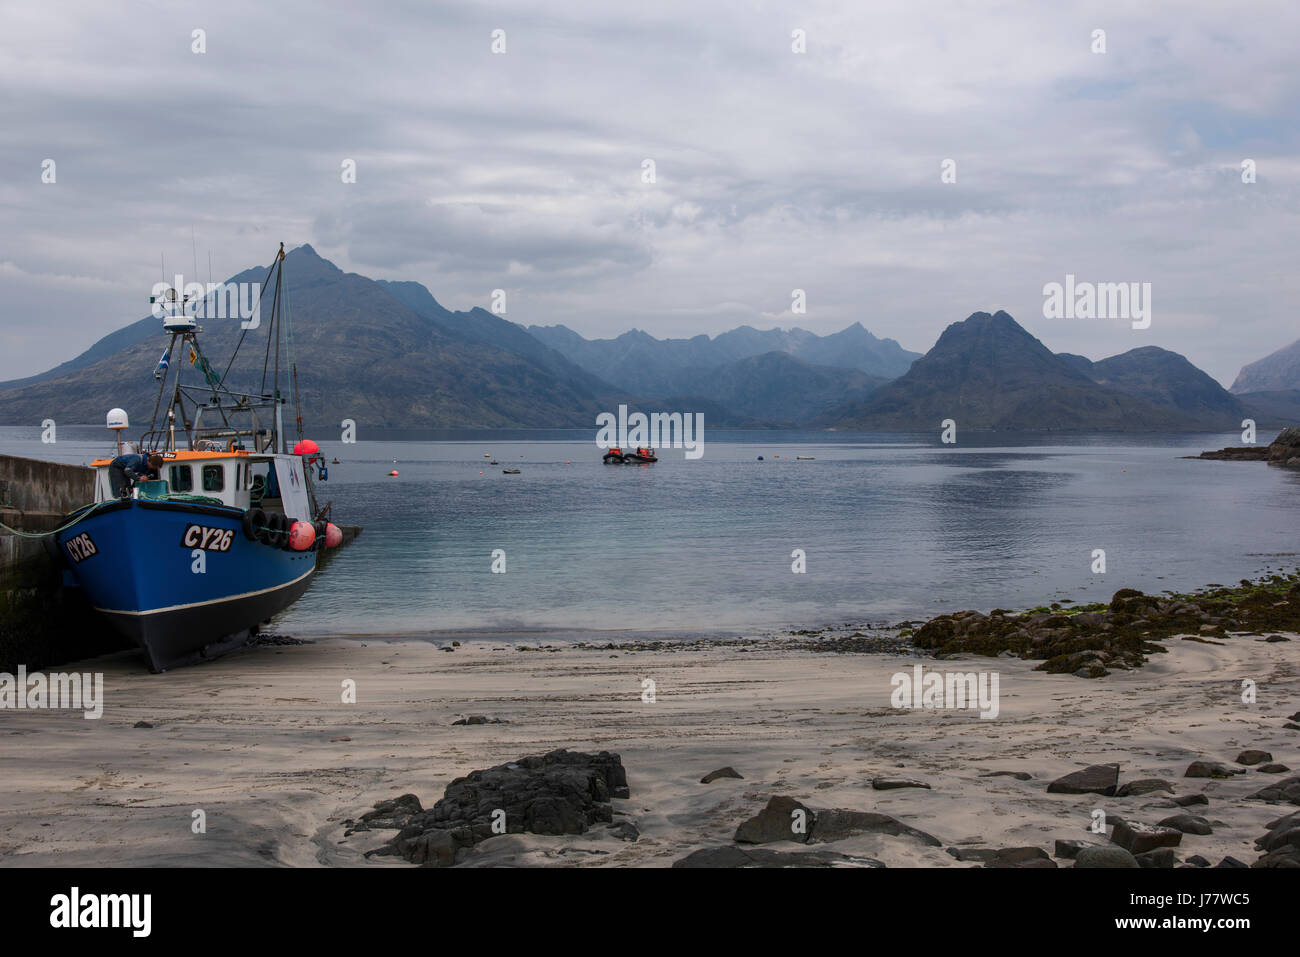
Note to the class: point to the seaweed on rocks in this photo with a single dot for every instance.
(1090, 641)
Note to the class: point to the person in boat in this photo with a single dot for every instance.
(129, 468)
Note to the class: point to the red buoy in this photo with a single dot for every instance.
(302, 536)
(333, 536)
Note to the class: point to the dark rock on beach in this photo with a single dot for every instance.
(836, 824)
(1161, 857)
(1211, 769)
(1286, 790)
(1253, 757)
(395, 814)
(965, 854)
(1137, 838)
(1095, 779)
(1103, 856)
(1272, 769)
(625, 831)
(1143, 786)
(1187, 800)
(784, 819)
(1069, 849)
(1020, 857)
(727, 772)
(1188, 824)
(1018, 775)
(1281, 844)
(726, 855)
(893, 784)
(480, 719)
(781, 819)
(563, 792)
(731, 856)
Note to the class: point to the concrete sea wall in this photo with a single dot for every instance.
(42, 623)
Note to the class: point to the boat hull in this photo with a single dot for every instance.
(181, 579)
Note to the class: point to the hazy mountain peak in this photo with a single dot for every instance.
(1277, 371)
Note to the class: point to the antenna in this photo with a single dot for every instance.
(194, 246)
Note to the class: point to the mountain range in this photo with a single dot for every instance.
(389, 355)
(987, 372)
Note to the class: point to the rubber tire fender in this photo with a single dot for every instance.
(254, 523)
(279, 534)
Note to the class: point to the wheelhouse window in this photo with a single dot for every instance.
(214, 478)
(182, 479)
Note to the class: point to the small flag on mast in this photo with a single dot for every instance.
(163, 363)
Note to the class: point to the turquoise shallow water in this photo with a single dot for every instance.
(892, 526)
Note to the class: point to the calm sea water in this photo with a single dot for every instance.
(892, 527)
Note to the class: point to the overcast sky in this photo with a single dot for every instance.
(775, 170)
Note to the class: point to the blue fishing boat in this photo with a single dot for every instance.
(208, 526)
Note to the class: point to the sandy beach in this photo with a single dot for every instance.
(261, 743)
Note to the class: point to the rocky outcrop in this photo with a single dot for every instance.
(1238, 453)
(1092, 641)
(1285, 449)
(563, 792)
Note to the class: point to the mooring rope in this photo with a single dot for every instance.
(89, 510)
